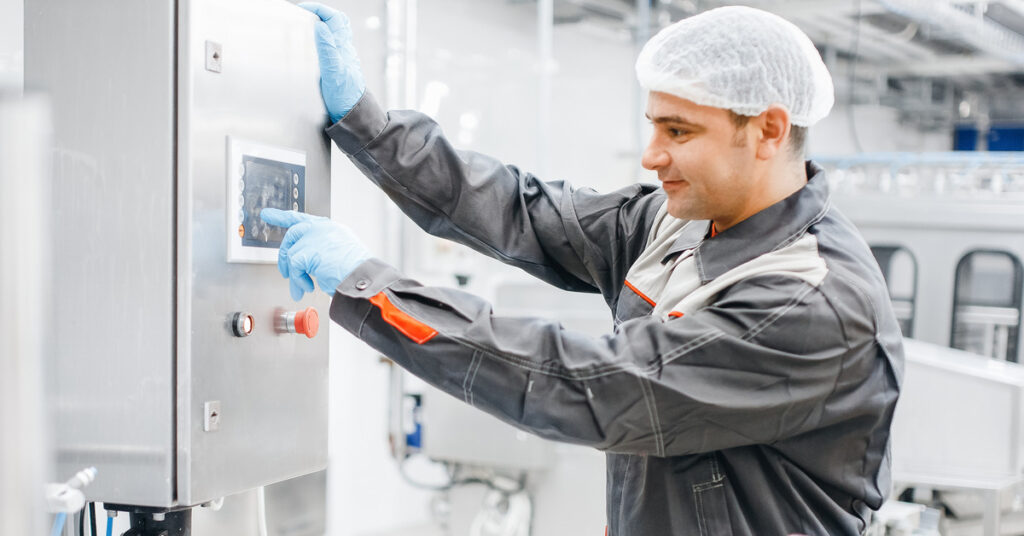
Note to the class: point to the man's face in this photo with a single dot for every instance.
(703, 161)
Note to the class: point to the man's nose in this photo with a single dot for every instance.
(654, 158)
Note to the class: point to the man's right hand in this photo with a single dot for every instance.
(341, 80)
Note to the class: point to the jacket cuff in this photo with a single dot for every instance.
(360, 125)
(351, 301)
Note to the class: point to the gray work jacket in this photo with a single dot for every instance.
(750, 382)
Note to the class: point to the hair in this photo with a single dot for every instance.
(797, 135)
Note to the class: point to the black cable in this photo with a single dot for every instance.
(92, 517)
(81, 521)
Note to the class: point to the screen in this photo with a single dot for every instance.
(268, 184)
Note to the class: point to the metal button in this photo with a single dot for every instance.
(362, 284)
(242, 324)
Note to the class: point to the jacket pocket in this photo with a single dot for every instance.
(710, 501)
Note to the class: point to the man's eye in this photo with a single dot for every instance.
(676, 132)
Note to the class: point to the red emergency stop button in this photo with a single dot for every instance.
(305, 322)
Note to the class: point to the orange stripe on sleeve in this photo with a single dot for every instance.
(641, 294)
(407, 325)
(675, 314)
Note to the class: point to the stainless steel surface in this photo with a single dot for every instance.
(286, 322)
(109, 71)
(24, 313)
(144, 288)
(268, 92)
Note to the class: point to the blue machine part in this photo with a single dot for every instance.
(1000, 137)
(414, 421)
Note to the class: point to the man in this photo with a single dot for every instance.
(751, 379)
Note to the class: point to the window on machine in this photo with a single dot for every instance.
(900, 270)
(987, 304)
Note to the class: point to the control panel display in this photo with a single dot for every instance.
(268, 184)
(260, 176)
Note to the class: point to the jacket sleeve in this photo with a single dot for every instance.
(758, 365)
(576, 239)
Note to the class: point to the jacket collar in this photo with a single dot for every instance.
(773, 228)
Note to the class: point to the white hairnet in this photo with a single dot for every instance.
(740, 59)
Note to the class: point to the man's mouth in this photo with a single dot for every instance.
(672, 185)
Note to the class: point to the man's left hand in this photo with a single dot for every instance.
(314, 247)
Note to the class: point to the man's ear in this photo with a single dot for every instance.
(774, 128)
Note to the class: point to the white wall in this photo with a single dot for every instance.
(878, 130)
(12, 47)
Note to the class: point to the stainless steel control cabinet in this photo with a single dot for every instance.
(175, 122)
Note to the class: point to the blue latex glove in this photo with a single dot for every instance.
(314, 246)
(341, 80)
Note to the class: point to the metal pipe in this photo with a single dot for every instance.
(961, 21)
(25, 459)
(952, 158)
(400, 92)
(641, 35)
(546, 60)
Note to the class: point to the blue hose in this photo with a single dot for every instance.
(58, 524)
(110, 525)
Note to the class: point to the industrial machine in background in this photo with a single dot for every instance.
(947, 230)
(182, 369)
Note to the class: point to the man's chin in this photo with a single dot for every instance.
(682, 211)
